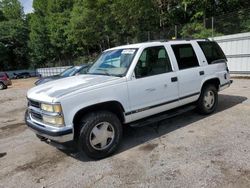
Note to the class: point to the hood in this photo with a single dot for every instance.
(50, 91)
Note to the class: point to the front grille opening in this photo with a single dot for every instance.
(34, 104)
(36, 116)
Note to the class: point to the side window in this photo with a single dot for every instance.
(212, 51)
(185, 56)
(153, 61)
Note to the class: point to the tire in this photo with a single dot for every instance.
(100, 134)
(208, 100)
(2, 86)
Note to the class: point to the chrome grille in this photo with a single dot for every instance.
(36, 116)
(34, 108)
(34, 104)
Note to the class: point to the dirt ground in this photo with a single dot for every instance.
(189, 150)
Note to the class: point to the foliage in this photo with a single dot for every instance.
(11, 9)
(13, 36)
(62, 32)
(38, 41)
(197, 30)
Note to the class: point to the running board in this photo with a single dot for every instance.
(162, 116)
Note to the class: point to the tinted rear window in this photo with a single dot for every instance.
(212, 51)
(2, 74)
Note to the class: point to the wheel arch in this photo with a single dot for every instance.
(213, 81)
(112, 106)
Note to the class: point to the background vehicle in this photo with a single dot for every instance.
(4, 80)
(21, 75)
(134, 85)
(72, 71)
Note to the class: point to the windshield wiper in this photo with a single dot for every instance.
(105, 71)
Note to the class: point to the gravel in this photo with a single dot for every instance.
(189, 150)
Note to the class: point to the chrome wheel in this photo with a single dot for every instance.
(102, 136)
(209, 99)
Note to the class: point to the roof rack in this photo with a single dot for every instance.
(178, 39)
(157, 40)
(188, 39)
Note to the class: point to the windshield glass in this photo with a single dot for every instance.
(68, 72)
(113, 62)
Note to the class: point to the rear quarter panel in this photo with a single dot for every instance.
(217, 70)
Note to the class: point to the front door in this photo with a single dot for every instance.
(154, 87)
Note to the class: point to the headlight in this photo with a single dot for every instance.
(51, 107)
(54, 120)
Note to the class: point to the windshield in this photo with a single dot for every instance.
(68, 72)
(113, 62)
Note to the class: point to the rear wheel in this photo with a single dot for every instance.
(100, 134)
(208, 100)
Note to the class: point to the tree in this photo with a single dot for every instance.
(87, 25)
(61, 31)
(39, 44)
(11, 9)
(197, 30)
(14, 35)
(58, 17)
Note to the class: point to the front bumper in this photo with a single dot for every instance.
(60, 135)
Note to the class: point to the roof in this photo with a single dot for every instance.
(154, 43)
(137, 45)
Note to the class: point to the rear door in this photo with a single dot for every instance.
(190, 72)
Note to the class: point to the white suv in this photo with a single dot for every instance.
(128, 85)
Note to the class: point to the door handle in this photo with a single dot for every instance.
(174, 79)
(150, 89)
(202, 73)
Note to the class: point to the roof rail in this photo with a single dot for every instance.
(157, 40)
(178, 39)
(188, 39)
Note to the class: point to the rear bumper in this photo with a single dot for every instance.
(60, 135)
(225, 85)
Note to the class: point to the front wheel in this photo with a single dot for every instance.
(208, 100)
(100, 134)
